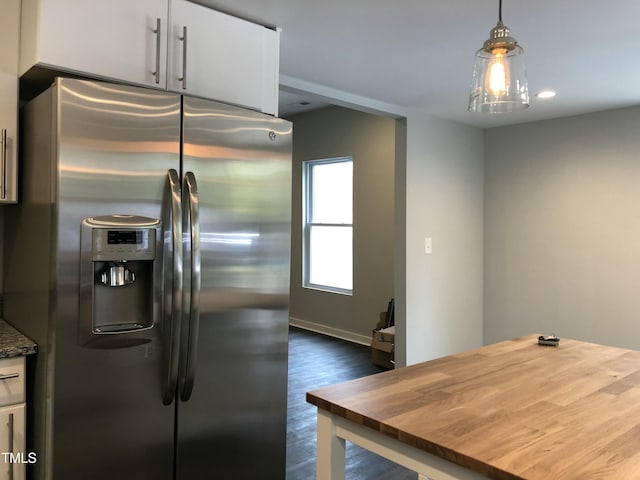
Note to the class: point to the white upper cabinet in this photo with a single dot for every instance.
(214, 55)
(141, 42)
(9, 36)
(111, 39)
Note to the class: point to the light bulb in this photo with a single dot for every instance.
(497, 78)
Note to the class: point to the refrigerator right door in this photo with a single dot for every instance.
(232, 424)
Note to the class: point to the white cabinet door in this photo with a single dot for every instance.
(9, 37)
(13, 454)
(220, 57)
(227, 58)
(106, 38)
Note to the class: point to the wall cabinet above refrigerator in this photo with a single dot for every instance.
(227, 58)
(144, 43)
(9, 36)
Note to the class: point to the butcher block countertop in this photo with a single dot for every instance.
(13, 343)
(512, 410)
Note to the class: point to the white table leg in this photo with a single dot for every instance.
(331, 450)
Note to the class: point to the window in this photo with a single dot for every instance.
(328, 224)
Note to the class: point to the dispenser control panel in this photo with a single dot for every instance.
(130, 244)
(122, 237)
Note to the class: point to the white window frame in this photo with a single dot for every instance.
(307, 196)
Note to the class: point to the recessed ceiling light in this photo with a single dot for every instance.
(546, 94)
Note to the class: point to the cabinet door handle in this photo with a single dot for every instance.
(3, 190)
(8, 376)
(11, 464)
(157, 31)
(183, 39)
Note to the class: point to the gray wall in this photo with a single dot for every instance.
(562, 229)
(370, 140)
(441, 308)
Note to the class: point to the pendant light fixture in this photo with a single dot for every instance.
(499, 77)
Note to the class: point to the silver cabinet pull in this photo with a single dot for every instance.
(157, 31)
(11, 464)
(3, 190)
(9, 376)
(183, 39)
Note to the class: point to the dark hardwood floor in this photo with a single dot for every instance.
(315, 361)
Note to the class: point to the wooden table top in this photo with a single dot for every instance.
(510, 410)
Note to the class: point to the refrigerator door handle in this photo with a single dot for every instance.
(173, 216)
(191, 218)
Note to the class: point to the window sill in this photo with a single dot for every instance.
(322, 288)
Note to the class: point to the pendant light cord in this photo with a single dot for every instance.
(500, 10)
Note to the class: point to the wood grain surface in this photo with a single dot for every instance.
(512, 410)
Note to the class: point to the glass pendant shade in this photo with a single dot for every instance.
(499, 83)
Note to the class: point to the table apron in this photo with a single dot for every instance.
(333, 430)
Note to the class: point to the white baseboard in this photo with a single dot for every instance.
(330, 331)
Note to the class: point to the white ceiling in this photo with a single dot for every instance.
(419, 53)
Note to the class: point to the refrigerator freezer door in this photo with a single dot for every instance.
(237, 410)
(114, 148)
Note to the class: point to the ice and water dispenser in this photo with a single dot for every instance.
(118, 270)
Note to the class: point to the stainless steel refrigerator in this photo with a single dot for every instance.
(149, 259)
